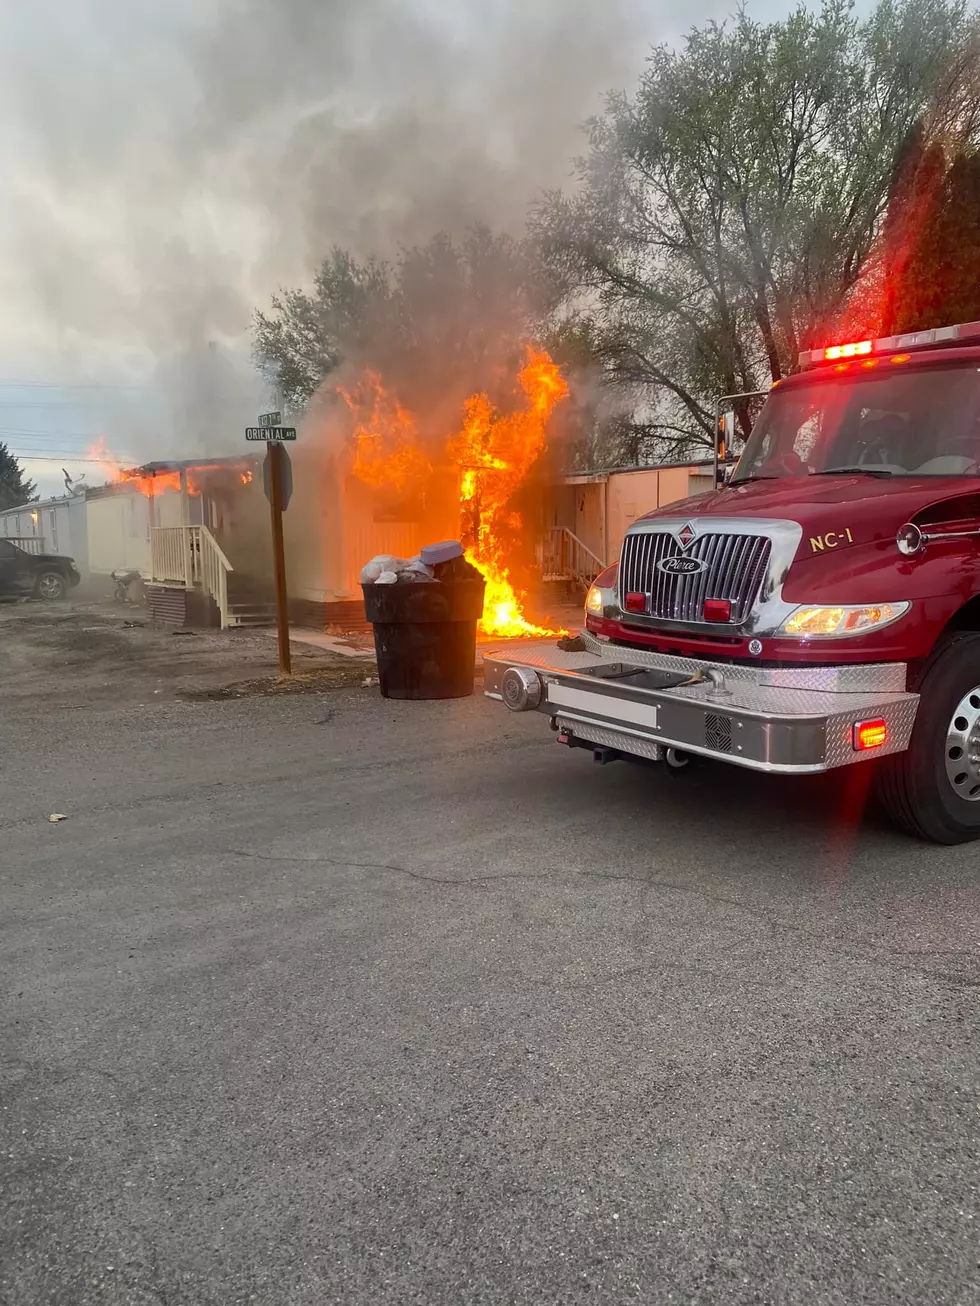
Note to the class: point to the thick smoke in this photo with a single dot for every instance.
(170, 165)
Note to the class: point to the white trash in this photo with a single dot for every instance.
(416, 567)
(383, 562)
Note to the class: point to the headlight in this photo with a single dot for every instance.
(824, 623)
(595, 601)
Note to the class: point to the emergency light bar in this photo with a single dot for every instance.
(950, 335)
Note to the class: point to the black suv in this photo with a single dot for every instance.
(46, 575)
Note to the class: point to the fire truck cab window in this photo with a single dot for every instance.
(913, 423)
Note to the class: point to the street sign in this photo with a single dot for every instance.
(270, 419)
(286, 478)
(274, 434)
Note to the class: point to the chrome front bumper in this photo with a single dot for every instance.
(795, 720)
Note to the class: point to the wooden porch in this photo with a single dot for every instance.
(191, 558)
(191, 577)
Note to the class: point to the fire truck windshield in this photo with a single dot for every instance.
(881, 421)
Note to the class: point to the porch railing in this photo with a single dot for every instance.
(214, 573)
(174, 554)
(29, 543)
(566, 557)
(191, 556)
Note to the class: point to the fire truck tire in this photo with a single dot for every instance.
(932, 790)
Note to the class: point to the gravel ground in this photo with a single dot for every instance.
(323, 999)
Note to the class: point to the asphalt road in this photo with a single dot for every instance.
(327, 1000)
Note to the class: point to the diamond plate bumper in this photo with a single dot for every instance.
(789, 720)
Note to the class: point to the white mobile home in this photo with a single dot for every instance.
(56, 525)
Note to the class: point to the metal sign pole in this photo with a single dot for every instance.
(278, 477)
(274, 455)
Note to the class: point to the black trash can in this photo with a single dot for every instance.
(425, 636)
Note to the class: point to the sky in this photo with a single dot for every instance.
(169, 164)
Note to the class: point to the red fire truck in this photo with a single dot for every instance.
(821, 608)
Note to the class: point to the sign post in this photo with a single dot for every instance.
(278, 488)
(276, 456)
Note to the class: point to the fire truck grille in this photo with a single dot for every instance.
(732, 569)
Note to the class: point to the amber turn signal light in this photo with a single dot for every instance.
(870, 734)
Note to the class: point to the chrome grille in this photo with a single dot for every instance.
(734, 569)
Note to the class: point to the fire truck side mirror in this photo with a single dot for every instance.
(723, 443)
(726, 430)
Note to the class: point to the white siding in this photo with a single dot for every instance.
(118, 533)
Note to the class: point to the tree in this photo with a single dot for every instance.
(926, 268)
(726, 209)
(940, 281)
(308, 335)
(436, 323)
(14, 489)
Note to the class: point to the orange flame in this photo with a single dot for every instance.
(386, 452)
(158, 482)
(99, 453)
(115, 475)
(496, 452)
(493, 451)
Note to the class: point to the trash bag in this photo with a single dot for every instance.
(456, 569)
(383, 562)
(415, 569)
(387, 578)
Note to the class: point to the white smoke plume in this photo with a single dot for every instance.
(172, 163)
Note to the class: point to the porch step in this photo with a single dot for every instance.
(252, 614)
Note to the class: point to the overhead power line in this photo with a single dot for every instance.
(84, 385)
(43, 435)
(53, 456)
(72, 404)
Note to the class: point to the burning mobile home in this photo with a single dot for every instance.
(180, 524)
(370, 477)
(375, 478)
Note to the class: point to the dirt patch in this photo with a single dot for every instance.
(78, 652)
(315, 681)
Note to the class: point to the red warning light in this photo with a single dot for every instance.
(717, 610)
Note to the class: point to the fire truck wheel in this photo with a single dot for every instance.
(933, 789)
